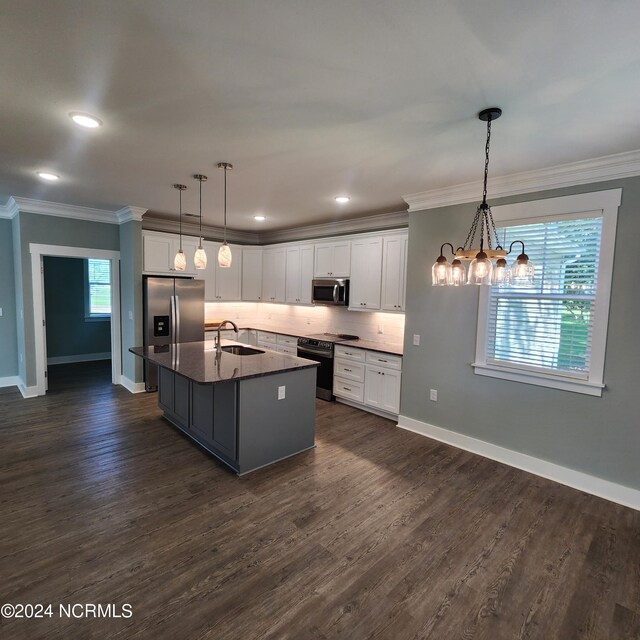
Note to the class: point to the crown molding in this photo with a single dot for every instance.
(612, 167)
(129, 213)
(9, 209)
(209, 232)
(394, 220)
(15, 205)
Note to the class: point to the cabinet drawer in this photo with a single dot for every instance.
(384, 360)
(264, 336)
(349, 370)
(349, 353)
(287, 340)
(288, 349)
(348, 389)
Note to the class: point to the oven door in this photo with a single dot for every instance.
(324, 380)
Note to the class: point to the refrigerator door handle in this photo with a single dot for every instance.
(176, 305)
(172, 306)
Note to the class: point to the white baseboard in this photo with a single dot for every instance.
(10, 381)
(27, 392)
(130, 386)
(80, 357)
(577, 479)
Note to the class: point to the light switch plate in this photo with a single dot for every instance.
(0, 312)
(281, 392)
(433, 395)
(416, 340)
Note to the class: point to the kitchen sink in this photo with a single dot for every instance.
(237, 350)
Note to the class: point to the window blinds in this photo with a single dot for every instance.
(548, 327)
(99, 280)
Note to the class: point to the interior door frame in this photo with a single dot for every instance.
(38, 251)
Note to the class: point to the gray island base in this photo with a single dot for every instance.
(248, 411)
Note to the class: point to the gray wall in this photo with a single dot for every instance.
(8, 336)
(34, 228)
(599, 436)
(131, 297)
(69, 333)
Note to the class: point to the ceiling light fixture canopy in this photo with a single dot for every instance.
(482, 269)
(200, 257)
(180, 261)
(224, 253)
(85, 120)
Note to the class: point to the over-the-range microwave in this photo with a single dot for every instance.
(334, 291)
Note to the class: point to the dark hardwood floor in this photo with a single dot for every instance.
(377, 533)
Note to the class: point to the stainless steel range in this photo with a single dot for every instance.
(320, 348)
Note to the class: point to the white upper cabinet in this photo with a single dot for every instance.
(159, 250)
(252, 273)
(394, 272)
(366, 274)
(332, 259)
(299, 274)
(273, 275)
(221, 284)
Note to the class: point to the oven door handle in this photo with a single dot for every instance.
(318, 352)
(335, 294)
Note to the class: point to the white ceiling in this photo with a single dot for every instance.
(308, 99)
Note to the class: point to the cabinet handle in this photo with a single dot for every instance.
(349, 370)
(346, 388)
(381, 360)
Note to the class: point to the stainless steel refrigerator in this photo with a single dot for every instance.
(173, 313)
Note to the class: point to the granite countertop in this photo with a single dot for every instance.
(369, 345)
(197, 361)
(383, 347)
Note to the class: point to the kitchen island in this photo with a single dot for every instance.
(248, 407)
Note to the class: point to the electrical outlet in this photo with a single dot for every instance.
(130, 315)
(0, 312)
(433, 395)
(380, 329)
(281, 392)
(416, 340)
(20, 357)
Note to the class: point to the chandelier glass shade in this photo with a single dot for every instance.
(180, 260)
(224, 253)
(482, 269)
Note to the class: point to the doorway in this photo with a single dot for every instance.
(40, 254)
(77, 313)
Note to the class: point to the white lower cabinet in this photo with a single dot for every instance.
(369, 378)
(267, 340)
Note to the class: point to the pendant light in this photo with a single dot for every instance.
(482, 269)
(224, 253)
(180, 261)
(200, 257)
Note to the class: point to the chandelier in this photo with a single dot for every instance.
(482, 269)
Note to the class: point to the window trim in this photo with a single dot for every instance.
(606, 202)
(88, 316)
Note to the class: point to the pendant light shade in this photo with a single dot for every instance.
(480, 270)
(200, 257)
(458, 273)
(180, 260)
(224, 256)
(500, 275)
(224, 253)
(522, 271)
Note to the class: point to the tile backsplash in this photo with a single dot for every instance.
(369, 325)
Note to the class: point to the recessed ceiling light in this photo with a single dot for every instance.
(260, 218)
(85, 120)
(45, 175)
(342, 199)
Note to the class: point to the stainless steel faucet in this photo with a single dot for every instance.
(235, 328)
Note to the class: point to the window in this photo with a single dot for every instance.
(98, 289)
(554, 333)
